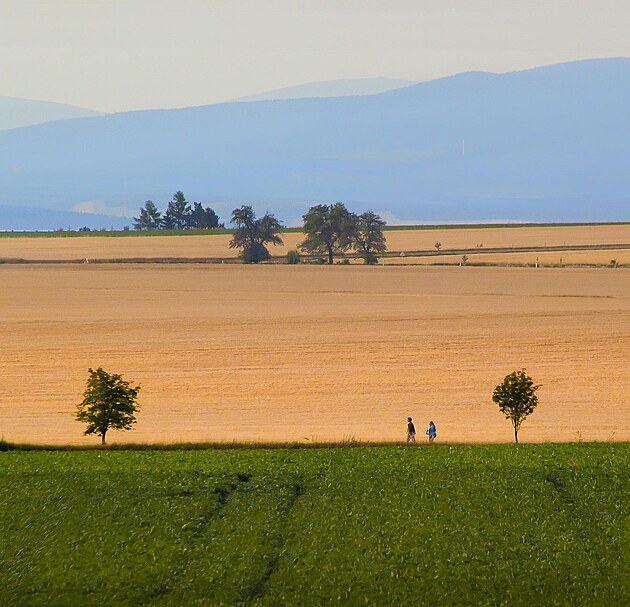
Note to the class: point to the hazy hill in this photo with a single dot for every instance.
(551, 143)
(331, 88)
(26, 218)
(15, 112)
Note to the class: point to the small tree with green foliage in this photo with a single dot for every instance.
(109, 403)
(252, 234)
(369, 237)
(149, 217)
(516, 397)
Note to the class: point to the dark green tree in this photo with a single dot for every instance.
(252, 234)
(206, 219)
(329, 229)
(109, 402)
(177, 215)
(516, 397)
(149, 217)
(369, 237)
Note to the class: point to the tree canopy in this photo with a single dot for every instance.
(252, 234)
(150, 217)
(330, 229)
(179, 215)
(205, 219)
(109, 402)
(516, 397)
(369, 236)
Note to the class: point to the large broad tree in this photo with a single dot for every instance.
(149, 217)
(516, 397)
(369, 236)
(177, 215)
(205, 219)
(330, 229)
(109, 403)
(253, 233)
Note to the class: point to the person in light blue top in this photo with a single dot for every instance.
(431, 432)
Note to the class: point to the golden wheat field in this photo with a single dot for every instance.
(217, 246)
(277, 352)
(544, 258)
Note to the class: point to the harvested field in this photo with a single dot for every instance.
(544, 258)
(217, 246)
(315, 353)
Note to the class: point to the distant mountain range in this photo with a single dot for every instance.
(15, 112)
(546, 144)
(332, 88)
(32, 219)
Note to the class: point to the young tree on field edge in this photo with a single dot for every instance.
(252, 234)
(109, 402)
(516, 397)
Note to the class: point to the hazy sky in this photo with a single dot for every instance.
(115, 55)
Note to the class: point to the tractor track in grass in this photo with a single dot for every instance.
(278, 541)
(221, 493)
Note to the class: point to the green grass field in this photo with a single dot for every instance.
(435, 525)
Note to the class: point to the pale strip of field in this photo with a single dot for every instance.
(308, 352)
(97, 247)
(590, 256)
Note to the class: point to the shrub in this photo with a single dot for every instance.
(293, 257)
(255, 253)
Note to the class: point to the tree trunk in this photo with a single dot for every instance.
(330, 255)
(103, 437)
(515, 434)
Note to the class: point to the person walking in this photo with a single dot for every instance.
(411, 431)
(431, 432)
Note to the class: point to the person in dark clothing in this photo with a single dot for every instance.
(411, 431)
(431, 432)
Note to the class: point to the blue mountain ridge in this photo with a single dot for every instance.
(546, 144)
(23, 219)
(16, 112)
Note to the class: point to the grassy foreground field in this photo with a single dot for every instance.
(442, 525)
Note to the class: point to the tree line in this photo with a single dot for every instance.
(330, 229)
(179, 215)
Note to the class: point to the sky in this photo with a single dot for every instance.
(118, 55)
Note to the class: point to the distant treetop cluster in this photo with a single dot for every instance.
(329, 229)
(179, 215)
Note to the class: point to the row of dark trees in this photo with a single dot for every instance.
(179, 215)
(330, 230)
